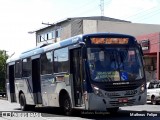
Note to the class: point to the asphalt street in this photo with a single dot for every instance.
(141, 112)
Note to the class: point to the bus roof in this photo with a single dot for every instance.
(107, 34)
(13, 58)
(46, 47)
(63, 43)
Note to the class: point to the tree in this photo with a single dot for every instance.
(3, 58)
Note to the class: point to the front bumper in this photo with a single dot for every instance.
(102, 103)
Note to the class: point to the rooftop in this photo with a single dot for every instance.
(83, 18)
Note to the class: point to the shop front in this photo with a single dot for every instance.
(151, 49)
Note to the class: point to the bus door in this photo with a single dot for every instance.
(36, 81)
(76, 71)
(11, 95)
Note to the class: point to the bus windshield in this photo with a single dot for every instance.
(115, 64)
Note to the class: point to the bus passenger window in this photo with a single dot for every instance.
(18, 69)
(46, 63)
(61, 63)
(26, 67)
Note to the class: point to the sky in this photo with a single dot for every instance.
(18, 17)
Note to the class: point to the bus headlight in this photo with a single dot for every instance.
(142, 88)
(97, 91)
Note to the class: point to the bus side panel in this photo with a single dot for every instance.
(48, 90)
(28, 89)
(18, 88)
(24, 85)
(59, 87)
(51, 91)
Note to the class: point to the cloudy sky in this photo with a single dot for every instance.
(18, 17)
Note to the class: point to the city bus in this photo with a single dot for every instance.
(98, 71)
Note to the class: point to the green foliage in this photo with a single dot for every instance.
(3, 58)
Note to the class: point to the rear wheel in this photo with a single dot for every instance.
(66, 105)
(22, 101)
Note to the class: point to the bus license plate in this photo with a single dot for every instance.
(123, 100)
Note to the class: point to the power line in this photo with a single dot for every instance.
(80, 8)
(145, 14)
(149, 15)
(108, 2)
(141, 11)
(87, 10)
(142, 14)
(72, 11)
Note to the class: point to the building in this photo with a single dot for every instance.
(70, 27)
(151, 48)
(82, 25)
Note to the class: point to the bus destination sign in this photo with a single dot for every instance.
(109, 40)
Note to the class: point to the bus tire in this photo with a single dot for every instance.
(113, 110)
(22, 101)
(66, 105)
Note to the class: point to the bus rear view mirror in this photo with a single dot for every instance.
(140, 48)
(82, 44)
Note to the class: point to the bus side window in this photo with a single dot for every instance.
(18, 69)
(26, 67)
(61, 60)
(46, 63)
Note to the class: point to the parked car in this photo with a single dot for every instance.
(153, 91)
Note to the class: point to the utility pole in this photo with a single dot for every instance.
(102, 7)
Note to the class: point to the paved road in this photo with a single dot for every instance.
(142, 112)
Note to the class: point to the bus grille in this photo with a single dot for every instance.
(121, 87)
(116, 103)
